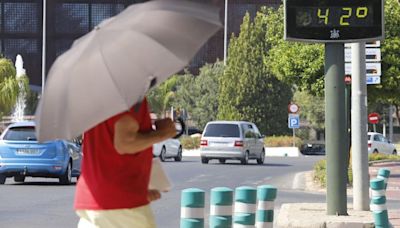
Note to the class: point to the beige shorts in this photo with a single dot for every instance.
(141, 217)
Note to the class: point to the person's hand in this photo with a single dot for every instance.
(153, 195)
(166, 127)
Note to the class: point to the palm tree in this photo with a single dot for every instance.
(9, 86)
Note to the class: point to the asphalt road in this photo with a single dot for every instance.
(44, 203)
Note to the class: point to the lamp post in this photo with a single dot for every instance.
(44, 47)
(226, 31)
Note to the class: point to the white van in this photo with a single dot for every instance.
(239, 140)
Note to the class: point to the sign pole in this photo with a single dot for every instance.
(335, 129)
(294, 136)
(359, 128)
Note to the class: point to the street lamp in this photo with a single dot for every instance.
(44, 46)
(225, 31)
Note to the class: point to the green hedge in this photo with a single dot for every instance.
(320, 167)
(282, 141)
(190, 143)
(378, 157)
(320, 173)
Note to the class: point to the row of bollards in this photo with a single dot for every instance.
(252, 207)
(378, 198)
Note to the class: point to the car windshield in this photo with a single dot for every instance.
(222, 130)
(20, 134)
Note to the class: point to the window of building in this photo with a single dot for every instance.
(21, 17)
(72, 18)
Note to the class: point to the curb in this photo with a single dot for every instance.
(384, 161)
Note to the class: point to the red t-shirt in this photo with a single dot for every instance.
(110, 180)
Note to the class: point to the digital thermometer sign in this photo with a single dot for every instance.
(334, 20)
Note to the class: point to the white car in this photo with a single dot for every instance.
(238, 140)
(377, 143)
(170, 148)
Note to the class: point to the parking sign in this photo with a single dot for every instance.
(294, 121)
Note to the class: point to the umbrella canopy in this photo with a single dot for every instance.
(111, 68)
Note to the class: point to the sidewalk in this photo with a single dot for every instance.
(393, 187)
(392, 193)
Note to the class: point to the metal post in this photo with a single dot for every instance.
(359, 128)
(226, 31)
(391, 123)
(335, 129)
(44, 46)
(294, 138)
(348, 124)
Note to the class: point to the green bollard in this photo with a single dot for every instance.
(378, 203)
(384, 174)
(192, 208)
(245, 207)
(266, 194)
(221, 201)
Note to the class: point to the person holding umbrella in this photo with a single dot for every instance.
(97, 88)
(112, 190)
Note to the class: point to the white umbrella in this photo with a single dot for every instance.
(111, 68)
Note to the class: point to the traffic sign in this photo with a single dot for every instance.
(372, 69)
(294, 121)
(373, 80)
(371, 55)
(373, 118)
(293, 108)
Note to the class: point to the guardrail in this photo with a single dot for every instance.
(253, 207)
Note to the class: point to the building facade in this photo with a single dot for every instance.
(21, 28)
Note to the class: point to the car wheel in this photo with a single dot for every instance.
(67, 176)
(163, 154)
(2, 179)
(179, 155)
(394, 152)
(19, 178)
(204, 160)
(375, 151)
(245, 159)
(222, 160)
(262, 158)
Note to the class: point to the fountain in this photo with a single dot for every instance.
(18, 114)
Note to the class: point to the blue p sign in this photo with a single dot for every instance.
(294, 121)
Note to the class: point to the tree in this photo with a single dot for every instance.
(312, 108)
(161, 97)
(388, 91)
(248, 89)
(198, 95)
(296, 63)
(9, 86)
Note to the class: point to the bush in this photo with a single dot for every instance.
(320, 173)
(320, 167)
(190, 143)
(285, 141)
(378, 157)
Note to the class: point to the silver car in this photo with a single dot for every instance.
(238, 140)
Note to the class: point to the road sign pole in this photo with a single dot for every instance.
(359, 129)
(335, 129)
(294, 138)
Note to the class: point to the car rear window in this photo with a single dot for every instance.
(20, 134)
(222, 130)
